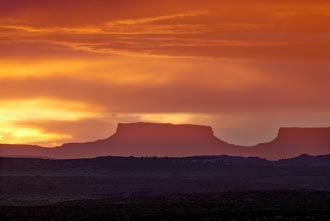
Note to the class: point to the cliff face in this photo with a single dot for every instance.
(147, 139)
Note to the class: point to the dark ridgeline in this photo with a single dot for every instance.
(147, 139)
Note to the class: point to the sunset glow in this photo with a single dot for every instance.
(245, 68)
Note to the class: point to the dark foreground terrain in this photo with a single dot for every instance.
(269, 205)
(190, 188)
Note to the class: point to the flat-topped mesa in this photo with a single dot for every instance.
(160, 132)
(313, 135)
(292, 142)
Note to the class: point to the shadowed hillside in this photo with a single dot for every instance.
(34, 181)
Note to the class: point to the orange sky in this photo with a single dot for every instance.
(70, 70)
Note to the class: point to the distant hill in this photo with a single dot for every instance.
(150, 139)
(155, 163)
(305, 159)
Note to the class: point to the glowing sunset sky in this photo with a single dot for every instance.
(70, 70)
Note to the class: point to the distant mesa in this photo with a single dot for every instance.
(169, 136)
(164, 132)
(153, 139)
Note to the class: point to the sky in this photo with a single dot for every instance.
(71, 70)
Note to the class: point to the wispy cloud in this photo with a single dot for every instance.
(155, 19)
